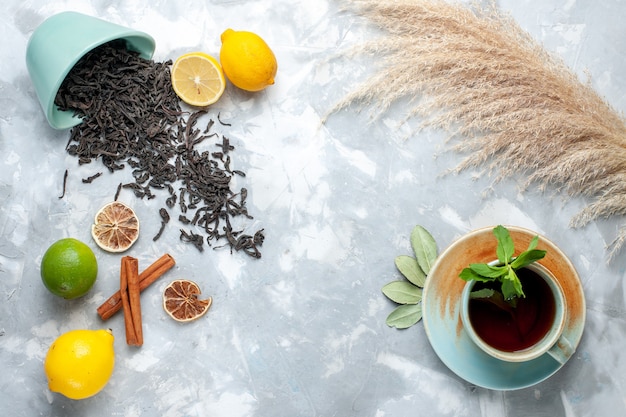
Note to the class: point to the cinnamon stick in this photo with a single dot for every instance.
(132, 276)
(114, 303)
(131, 337)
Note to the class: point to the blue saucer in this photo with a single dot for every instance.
(442, 320)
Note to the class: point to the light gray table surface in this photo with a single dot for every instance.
(301, 331)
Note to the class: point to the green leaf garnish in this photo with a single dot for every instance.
(494, 297)
(504, 271)
(506, 247)
(484, 293)
(409, 267)
(527, 258)
(511, 286)
(425, 248)
(488, 271)
(405, 316)
(468, 275)
(403, 292)
(409, 293)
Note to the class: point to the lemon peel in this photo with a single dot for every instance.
(247, 60)
(79, 363)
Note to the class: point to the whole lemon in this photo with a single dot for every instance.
(69, 268)
(79, 363)
(247, 61)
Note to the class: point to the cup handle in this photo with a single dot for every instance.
(562, 350)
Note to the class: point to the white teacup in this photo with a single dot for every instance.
(552, 343)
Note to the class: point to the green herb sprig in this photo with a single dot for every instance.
(504, 270)
(408, 293)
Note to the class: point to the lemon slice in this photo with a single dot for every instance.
(181, 302)
(198, 79)
(116, 227)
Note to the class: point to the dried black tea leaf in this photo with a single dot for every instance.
(90, 179)
(132, 118)
(64, 184)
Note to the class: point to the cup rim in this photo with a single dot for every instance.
(547, 342)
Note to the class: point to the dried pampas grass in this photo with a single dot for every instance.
(512, 107)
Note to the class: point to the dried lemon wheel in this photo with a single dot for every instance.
(116, 227)
(181, 302)
(198, 79)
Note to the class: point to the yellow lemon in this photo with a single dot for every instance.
(79, 363)
(198, 79)
(247, 60)
(69, 268)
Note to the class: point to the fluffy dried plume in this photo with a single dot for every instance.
(510, 106)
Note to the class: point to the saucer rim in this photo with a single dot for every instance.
(445, 332)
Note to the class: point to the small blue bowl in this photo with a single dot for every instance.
(59, 43)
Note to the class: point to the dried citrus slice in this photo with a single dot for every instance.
(181, 302)
(198, 79)
(116, 227)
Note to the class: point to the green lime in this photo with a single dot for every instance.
(69, 268)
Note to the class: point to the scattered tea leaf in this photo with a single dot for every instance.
(411, 270)
(425, 248)
(405, 316)
(132, 118)
(403, 292)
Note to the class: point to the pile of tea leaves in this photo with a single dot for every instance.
(132, 117)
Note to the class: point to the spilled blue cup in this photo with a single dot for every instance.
(59, 43)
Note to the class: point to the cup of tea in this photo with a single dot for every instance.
(523, 331)
(59, 43)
